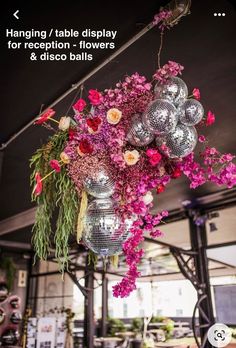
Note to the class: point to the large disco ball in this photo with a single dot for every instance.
(160, 117)
(3, 292)
(99, 185)
(182, 141)
(138, 134)
(104, 232)
(174, 90)
(10, 337)
(16, 317)
(191, 112)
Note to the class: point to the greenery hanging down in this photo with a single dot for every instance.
(8, 267)
(59, 196)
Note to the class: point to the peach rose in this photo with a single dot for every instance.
(65, 158)
(131, 157)
(148, 198)
(114, 116)
(64, 123)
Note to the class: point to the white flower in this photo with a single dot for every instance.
(148, 198)
(114, 116)
(131, 157)
(64, 123)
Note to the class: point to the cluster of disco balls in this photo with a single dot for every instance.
(170, 118)
(10, 317)
(104, 231)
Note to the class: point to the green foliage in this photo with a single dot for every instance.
(168, 328)
(7, 266)
(137, 325)
(114, 326)
(59, 196)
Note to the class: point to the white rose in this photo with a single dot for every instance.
(148, 198)
(64, 123)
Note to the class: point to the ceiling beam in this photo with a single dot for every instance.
(15, 245)
(18, 221)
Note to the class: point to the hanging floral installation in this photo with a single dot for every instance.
(100, 169)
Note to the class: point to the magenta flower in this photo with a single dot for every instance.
(154, 156)
(79, 105)
(95, 97)
(39, 185)
(210, 118)
(196, 93)
(201, 139)
(54, 164)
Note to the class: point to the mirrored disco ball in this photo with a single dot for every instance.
(160, 117)
(3, 292)
(104, 232)
(16, 317)
(2, 315)
(138, 134)
(182, 141)
(174, 90)
(10, 337)
(191, 112)
(102, 186)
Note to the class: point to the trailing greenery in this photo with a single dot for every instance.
(7, 266)
(168, 328)
(59, 195)
(114, 326)
(137, 325)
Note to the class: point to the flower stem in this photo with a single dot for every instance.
(52, 119)
(160, 49)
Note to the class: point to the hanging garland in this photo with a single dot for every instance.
(122, 145)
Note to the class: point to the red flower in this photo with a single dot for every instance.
(196, 93)
(210, 118)
(85, 147)
(95, 97)
(160, 188)
(45, 116)
(72, 133)
(79, 105)
(94, 123)
(154, 156)
(54, 164)
(176, 173)
(39, 185)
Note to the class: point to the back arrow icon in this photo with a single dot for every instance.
(15, 14)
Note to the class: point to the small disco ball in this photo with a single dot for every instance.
(138, 134)
(3, 292)
(2, 315)
(160, 117)
(173, 90)
(191, 112)
(16, 317)
(101, 186)
(104, 232)
(14, 301)
(10, 337)
(182, 141)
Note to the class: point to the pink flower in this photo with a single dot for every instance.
(45, 116)
(201, 139)
(95, 97)
(39, 186)
(196, 93)
(210, 118)
(154, 156)
(54, 164)
(79, 105)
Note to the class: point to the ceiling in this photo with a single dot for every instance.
(203, 43)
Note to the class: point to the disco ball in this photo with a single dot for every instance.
(10, 337)
(174, 90)
(160, 117)
(100, 186)
(16, 317)
(104, 232)
(182, 141)
(14, 301)
(191, 112)
(138, 134)
(2, 315)
(3, 292)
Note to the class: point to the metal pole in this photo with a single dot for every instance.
(81, 82)
(1, 163)
(198, 239)
(89, 327)
(104, 305)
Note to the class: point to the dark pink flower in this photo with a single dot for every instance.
(154, 156)
(196, 93)
(39, 185)
(176, 173)
(160, 188)
(54, 164)
(201, 139)
(45, 116)
(210, 118)
(79, 105)
(95, 97)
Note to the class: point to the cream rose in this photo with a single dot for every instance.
(65, 158)
(64, 123)
(148, 198)
(114, 116)
(131, 157)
